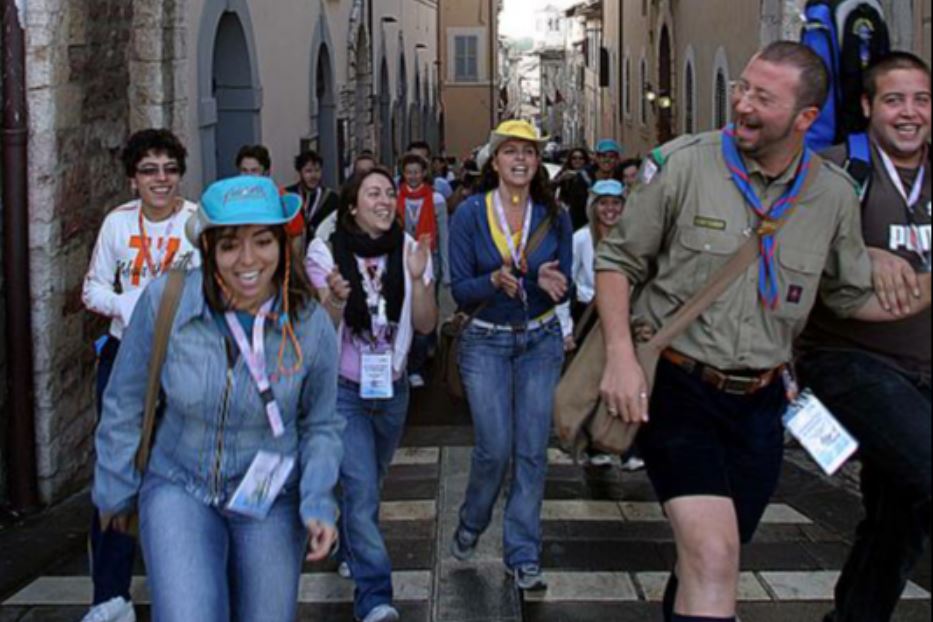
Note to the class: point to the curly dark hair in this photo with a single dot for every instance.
(155, 142)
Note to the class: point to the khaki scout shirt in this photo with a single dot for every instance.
(686, 222)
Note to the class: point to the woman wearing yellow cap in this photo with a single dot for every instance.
(511, 259)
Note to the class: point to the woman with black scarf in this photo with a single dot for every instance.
(376, 283)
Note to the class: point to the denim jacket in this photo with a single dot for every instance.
(214, 422)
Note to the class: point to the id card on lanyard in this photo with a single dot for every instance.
(819, 432)
(519, 261)
(255, 358)
(376, 382)
(910, 201)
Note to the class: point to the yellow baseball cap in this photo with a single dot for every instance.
(515, 129)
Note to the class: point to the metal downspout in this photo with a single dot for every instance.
(21, 436)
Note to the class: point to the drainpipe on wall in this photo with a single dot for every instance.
(21, 436)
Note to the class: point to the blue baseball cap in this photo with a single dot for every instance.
(607, 188)
(607, 145)
(243, 200)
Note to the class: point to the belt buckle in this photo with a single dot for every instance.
(736, 385)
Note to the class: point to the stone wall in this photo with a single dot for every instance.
(78, 74)
(3, 353)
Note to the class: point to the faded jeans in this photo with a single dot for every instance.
(209, 565)
(373, 433)
(510, 379)
(889, 413)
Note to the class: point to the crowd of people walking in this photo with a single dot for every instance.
(255, 381)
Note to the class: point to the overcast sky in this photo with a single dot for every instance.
(517, 16)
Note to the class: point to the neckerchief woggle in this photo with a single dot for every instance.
(255, 358)
(519, 261)
(910, 201)
(768, 288)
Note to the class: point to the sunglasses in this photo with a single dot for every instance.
(153, 170)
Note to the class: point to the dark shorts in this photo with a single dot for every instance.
(702, 442)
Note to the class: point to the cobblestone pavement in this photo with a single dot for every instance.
(607, 547)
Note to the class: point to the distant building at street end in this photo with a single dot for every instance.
(469, 74)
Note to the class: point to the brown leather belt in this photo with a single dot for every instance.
(727, 383)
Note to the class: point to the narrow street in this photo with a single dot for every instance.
(607, 547)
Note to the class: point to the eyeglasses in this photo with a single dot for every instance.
(741, 89)
(153, 170)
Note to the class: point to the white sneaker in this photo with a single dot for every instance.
(601, 460)
(382, 613)
(344, 571)
(633, 464)
(416, 381)
(114, 610)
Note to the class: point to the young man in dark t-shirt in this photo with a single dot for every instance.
(876, 377)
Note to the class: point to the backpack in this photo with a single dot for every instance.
(849, 35)
(858, 160)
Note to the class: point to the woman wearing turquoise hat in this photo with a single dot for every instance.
(247, 451)
(510, 258)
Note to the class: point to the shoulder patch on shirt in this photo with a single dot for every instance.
(710, 223)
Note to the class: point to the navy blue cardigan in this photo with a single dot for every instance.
(474, 258)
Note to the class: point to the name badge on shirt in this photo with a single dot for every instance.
(376, 376)
(820, 433)
(260, 488)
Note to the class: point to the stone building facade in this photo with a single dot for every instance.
(219, 73)
(670, 64)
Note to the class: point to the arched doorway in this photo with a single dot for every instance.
(665, 84)
(385, 118)
(229, 95)
(326, 126)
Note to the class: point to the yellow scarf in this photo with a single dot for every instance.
(498, 235)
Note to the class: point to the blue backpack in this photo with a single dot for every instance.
(849, 35)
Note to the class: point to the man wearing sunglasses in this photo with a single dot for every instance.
(139, 241)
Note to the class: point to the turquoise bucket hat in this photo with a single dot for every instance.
(243, 200)
(607, 188)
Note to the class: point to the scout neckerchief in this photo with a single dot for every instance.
(910, 202)
(519, 260)
(166, 256)
(426, 223)
(255, 358)
(771, 217)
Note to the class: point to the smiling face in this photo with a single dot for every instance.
(247, 258)
(764, 102)
(516, 162)
(374, 210)
(609, 210)
(414, 175)
(900, 113)
(156, 181)
(607, 162)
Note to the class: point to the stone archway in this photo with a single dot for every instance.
(229, 91)
(665, 86)
(358, 92)
(154, 61)
(326, 121)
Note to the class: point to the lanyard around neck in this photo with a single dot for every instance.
(146, 244)
(519, 261)
(255, 357)
(913, 198)
(372, 286)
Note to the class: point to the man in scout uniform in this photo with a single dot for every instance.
(712, 434)
(876, 377)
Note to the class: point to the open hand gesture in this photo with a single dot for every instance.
(553, 281)
(338, 286)
(418, 259)
(505, 281)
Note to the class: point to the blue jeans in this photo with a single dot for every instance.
(209, 565)
(888, 412)
(112, 553)
(510, 379)
(373, 433)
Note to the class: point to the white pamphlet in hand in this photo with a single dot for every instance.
(820, 433)
(262, 484)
